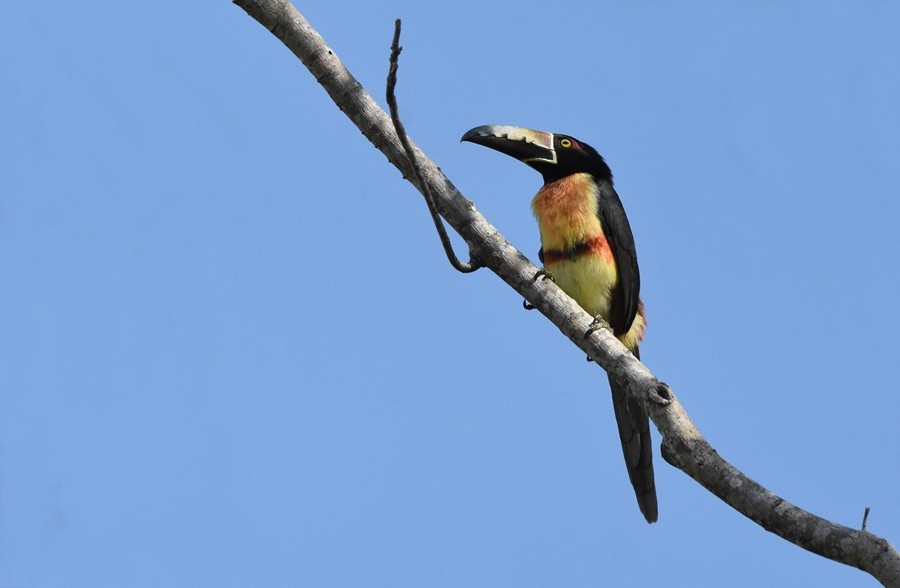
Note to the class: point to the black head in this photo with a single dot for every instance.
(554, 156)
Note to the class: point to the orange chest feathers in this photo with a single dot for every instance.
(566, 212)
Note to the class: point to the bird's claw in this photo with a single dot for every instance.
(542, 274)
(598, 323)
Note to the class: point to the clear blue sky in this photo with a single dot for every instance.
(233, 354)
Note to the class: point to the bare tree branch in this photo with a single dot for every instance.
(683, 445)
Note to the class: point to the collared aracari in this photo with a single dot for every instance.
(588, 249)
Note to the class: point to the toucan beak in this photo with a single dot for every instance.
(526, 145)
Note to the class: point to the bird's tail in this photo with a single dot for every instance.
(634, 432)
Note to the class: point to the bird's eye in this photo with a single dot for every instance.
(565, 143)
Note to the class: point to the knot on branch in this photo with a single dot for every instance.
(660, 393)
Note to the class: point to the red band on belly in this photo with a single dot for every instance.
(597, 246)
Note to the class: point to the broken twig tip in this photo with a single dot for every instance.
(395, 44)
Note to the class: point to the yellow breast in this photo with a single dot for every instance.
(566, 211)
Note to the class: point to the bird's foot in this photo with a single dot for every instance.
(542, 274)
(598, 323)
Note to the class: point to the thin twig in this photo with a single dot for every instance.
(865, 518)
(462, 266)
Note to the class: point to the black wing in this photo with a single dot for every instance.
(618, 233)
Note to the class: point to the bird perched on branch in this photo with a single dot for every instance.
(588, 249)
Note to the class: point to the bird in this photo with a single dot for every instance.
(588, 249)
